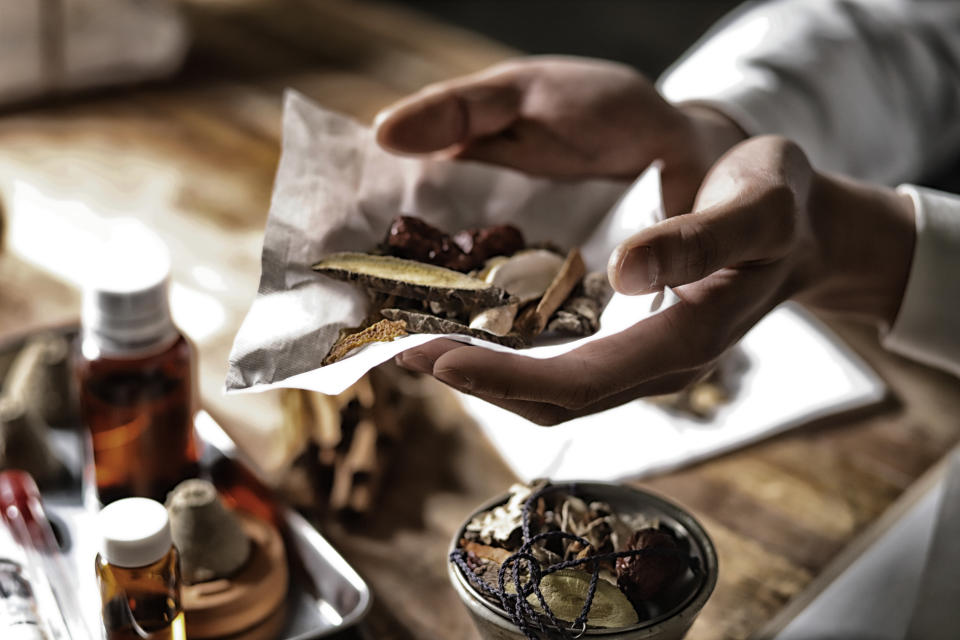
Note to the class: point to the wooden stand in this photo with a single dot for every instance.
(230, 605)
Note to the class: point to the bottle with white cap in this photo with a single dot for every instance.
(135, 371)
(139, 573)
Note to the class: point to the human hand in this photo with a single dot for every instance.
(562, 118)
(766, 227)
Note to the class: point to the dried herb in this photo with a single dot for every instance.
(415, 239)
(643, 577)
(588, 564)
(564, 591)
(533, 321)
(411, 279)
(416, 322)
(383, 331)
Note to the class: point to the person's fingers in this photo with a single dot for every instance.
(421, 359)
(746, 228)
(531, 147)
(453, 113)
(710, 317)
(548, 414)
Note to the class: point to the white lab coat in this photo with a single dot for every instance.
(871, 89)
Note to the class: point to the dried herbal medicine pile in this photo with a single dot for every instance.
(486, 283)
(569, 537)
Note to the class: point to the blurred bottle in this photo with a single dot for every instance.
(136, 373)
(138, 570)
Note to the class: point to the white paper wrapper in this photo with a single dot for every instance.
(336, 190)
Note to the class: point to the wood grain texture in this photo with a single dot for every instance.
(195, 157)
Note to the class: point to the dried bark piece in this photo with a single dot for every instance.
(355, 474)
(412, 279)
(493, 554)
(382, 331)
(426, 323)
(580, 316)
(294, 435)
(533, 321)
(324, 412)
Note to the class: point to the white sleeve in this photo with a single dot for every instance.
(927, 328)
(869, 88)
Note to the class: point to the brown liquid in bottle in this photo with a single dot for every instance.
(142, 603)
(139, 411)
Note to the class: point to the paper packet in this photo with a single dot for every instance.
(337, 190)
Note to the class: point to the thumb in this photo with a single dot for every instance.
(689, 247)
(452, 113)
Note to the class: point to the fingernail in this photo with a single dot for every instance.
(415, 361)
(453, 378)
(638, 270)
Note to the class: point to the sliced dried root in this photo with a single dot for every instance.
(383, 331)
(411, 279)
(425, 323)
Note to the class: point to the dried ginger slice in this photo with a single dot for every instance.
(382, 331)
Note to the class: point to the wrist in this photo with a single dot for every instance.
(865, 235)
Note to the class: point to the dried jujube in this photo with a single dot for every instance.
(499, 240)
(414, 239)
(642, 577)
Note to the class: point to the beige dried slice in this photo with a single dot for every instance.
(565, 592)
(498, 320)
(533, 320)
(382, 331)
(411, 279)
(425, 323)
(526, 275)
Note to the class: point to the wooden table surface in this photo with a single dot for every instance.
(195, 158)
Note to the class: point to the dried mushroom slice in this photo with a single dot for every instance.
(411, 279)
(565, 592)
(383, 331)
(426, 323)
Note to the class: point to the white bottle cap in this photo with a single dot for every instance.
(125, 303)
(135, 532)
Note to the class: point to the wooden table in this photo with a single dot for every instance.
(195, 158)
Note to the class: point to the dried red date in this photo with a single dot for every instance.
(414, 239)
(643, 577)
(480, 244)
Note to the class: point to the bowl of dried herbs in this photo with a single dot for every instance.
(582, 559)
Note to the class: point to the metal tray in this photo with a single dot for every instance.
(326, 594)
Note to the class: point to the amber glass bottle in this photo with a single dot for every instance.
(136, 383)
(139, 573)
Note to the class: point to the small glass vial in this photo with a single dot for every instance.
(136, 373)
(138, 570)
